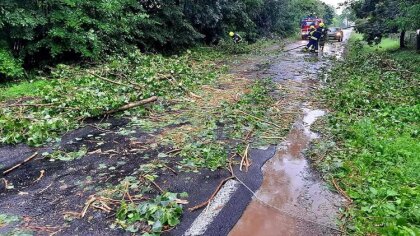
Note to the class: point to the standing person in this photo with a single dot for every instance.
(323, 35)
(314, 36)
(236, 37)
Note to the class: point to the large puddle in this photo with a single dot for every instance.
(292, 199)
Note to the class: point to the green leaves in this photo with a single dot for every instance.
(161, 212)
(10, 67)
(75, 94)
(66, 156)
(375, 113)
(7, 219)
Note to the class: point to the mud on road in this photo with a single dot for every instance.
(44, 194)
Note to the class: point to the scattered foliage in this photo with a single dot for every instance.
(375, 148)
(76, 94)
(7, 219)
(154, 216)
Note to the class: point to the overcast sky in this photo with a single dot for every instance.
(334, 3)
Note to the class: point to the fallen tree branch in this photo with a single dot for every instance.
(132, 105)
(212, 196)
(115, 82)
(341, 191)
(20, 164)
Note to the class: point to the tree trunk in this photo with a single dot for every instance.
(402, 39)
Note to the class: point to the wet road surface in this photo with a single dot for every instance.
(288, 184)
(293, 199)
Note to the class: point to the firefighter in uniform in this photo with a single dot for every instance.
(236, 37)
(324, 35)
(314, 36)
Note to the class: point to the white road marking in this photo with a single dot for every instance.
(202, 222)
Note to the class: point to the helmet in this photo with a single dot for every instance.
(231, 34)
(312, 27)
(321, 24)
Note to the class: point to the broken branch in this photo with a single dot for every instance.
(212, 196)
(115, 82)
(20, 164)
(132, 105)
(341, 191)
(87, 205)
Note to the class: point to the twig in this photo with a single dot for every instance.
(132, 105)
(341, 191)
(267, 122)
(20, 164)
(102, 208)
(87, 205)
(45, 189)
(212, 196)
(49, 229)
(41, 174)
(174, 151)
(268, 137)
(157, 186)
(113, 81)
(242, 162)
(247, 164)
(127, 192)
(99, 128)
(169, 168)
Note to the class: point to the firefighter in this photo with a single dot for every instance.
(323, 35)
(314, 36)
(236, 37)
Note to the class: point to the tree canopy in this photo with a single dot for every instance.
(37, 32)
(377, 18)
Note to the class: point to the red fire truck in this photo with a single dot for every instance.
(306, 24)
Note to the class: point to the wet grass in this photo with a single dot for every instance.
(373, 149)
(386, 44)
(20, 89)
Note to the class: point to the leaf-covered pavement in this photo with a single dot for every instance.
(77, 185)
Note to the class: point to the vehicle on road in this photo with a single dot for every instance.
(306, 24)
(335, 33)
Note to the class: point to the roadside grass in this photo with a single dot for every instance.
(386, 44)
(23, 88)
(373, 147)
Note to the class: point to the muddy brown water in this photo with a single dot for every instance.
(292, 199)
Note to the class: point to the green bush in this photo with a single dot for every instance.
(9, 66)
